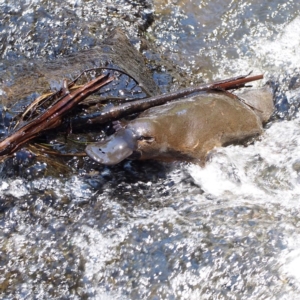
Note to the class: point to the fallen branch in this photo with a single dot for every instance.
(143, 104)
(52, 117)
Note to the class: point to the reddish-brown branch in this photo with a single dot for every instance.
(52, 117)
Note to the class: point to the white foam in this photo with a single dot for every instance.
(263, 170)
(16, 188)
(267, 54)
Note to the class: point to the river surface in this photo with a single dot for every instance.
(147, 230)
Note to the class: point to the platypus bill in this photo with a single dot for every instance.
(113, 149)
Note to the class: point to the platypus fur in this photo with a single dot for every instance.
(187, 129)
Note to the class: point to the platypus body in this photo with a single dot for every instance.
(187, 129)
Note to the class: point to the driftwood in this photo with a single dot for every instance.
(52, 117)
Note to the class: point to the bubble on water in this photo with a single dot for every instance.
(4, 185)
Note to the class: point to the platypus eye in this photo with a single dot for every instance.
(148, 139)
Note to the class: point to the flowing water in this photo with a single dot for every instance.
(146, 230)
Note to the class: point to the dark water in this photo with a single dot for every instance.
(148, 230)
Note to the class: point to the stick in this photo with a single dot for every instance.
(143, 104)
(52, 117)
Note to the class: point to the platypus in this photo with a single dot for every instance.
(187, 129)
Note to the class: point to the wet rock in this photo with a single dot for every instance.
(38, 76)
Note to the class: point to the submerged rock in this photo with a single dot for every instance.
(187, 129)
(38, 77)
